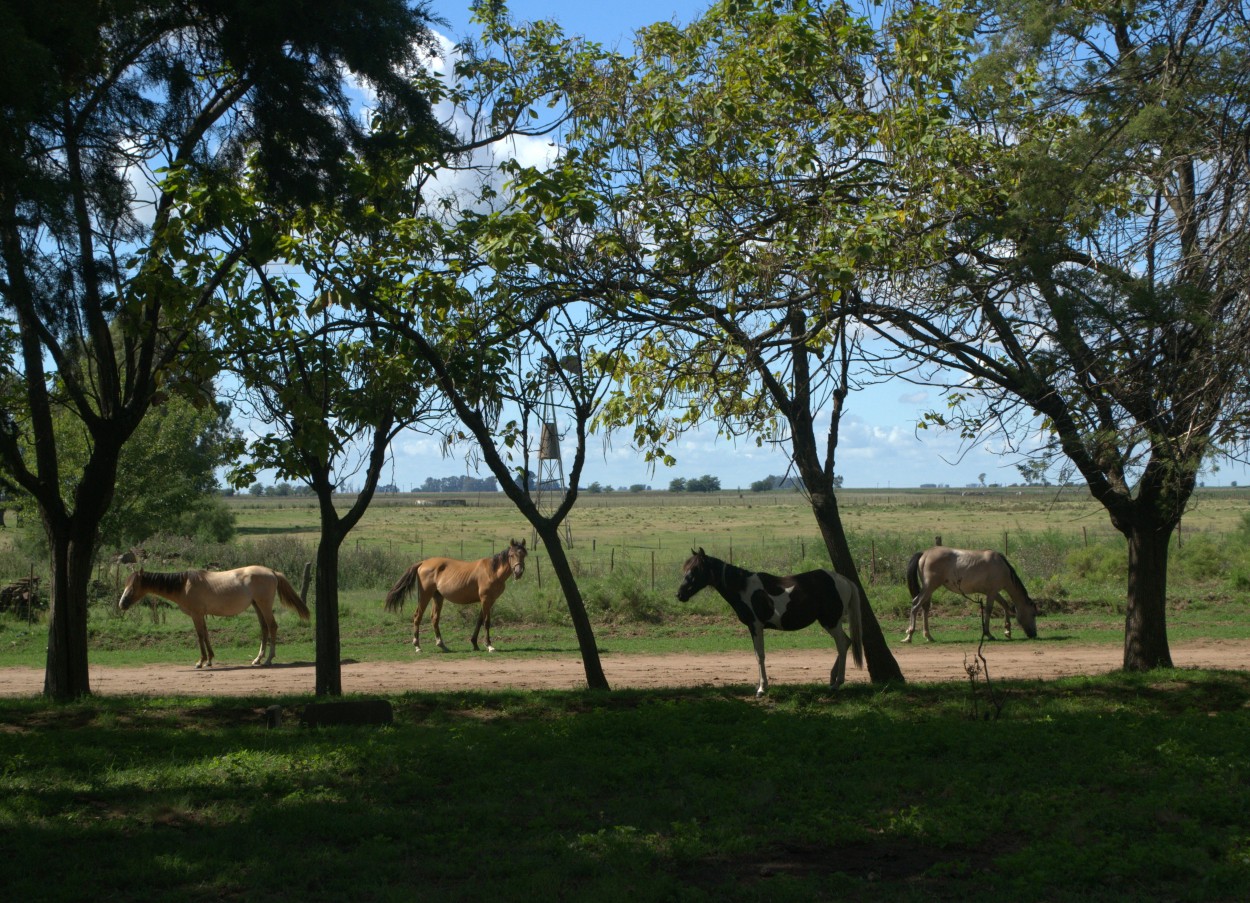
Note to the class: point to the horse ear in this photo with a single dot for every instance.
(701, 552)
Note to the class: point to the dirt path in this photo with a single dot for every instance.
(920, 663)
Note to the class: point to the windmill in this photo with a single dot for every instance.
(551, 489)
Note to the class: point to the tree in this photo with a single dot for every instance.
(1082, 226)
(333, 393)
(738, 195)
(167, 474)
(494, 330)
(117, 120)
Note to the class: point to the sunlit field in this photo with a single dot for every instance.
(627, 550)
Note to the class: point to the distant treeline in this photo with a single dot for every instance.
(462, 483)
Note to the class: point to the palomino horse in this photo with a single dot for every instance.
(222, 593)
(963, 571)
(762, 601)
(462, 582)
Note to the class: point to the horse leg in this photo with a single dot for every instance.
(837, 676)
(273, 635)
(422, 601)
(987, 610)
(757, 637)
(436, 617)
(1006, 615)
(483, 617)
(264, 633)
(201, 634)
(918, 604)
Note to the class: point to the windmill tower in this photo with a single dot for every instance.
(551, 488)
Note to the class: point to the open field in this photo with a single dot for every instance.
(627, 551)
(1057, 779)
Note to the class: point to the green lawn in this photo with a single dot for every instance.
(1113, 788)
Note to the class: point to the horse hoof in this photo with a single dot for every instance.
(490, 648)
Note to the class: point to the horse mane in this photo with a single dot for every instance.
(499, 559)
(1015, 578)
(162, 581)
(731, 575)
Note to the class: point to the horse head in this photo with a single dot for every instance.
(1026, 614)
(516, 557)
(130, 593)
(1026, 608)
(696, 573)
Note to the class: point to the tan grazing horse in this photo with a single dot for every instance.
(963, 571)
(221, 593)
(462, 582)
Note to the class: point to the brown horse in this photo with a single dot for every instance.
(462, 582)
(223, 593)
(762, 601)
(963, 571)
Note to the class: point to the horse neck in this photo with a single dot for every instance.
(1015, 587)
(500, 564)
(171, 585)
(724, 575)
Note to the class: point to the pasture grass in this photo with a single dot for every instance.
(152, 635)
(1118, 787)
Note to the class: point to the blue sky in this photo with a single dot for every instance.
(879, 445)
(610, 23)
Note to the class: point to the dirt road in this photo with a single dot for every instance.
(481, 671)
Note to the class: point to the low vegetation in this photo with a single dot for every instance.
(1123, 787)
(627, 552)
(1117, 787)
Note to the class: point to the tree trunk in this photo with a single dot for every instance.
(882, 666)
(65, 674)
(550, 536)
(329, 671)
(1145, 628)
(73, 540)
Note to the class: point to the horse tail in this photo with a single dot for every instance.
(913, 575)
(855, 617)
(290, 598)
(403, 586)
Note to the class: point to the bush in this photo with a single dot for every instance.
(1200, 559)
(622, 597)
(1099, 563)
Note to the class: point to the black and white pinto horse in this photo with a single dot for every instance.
(763, 601)
(965, 571)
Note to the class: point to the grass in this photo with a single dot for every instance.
(1123, 787)
(1117, 787)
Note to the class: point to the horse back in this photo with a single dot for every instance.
(966, 570)
(253, 577)
(456, 580)
(230, 592)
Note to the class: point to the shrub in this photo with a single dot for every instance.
(622, 596)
